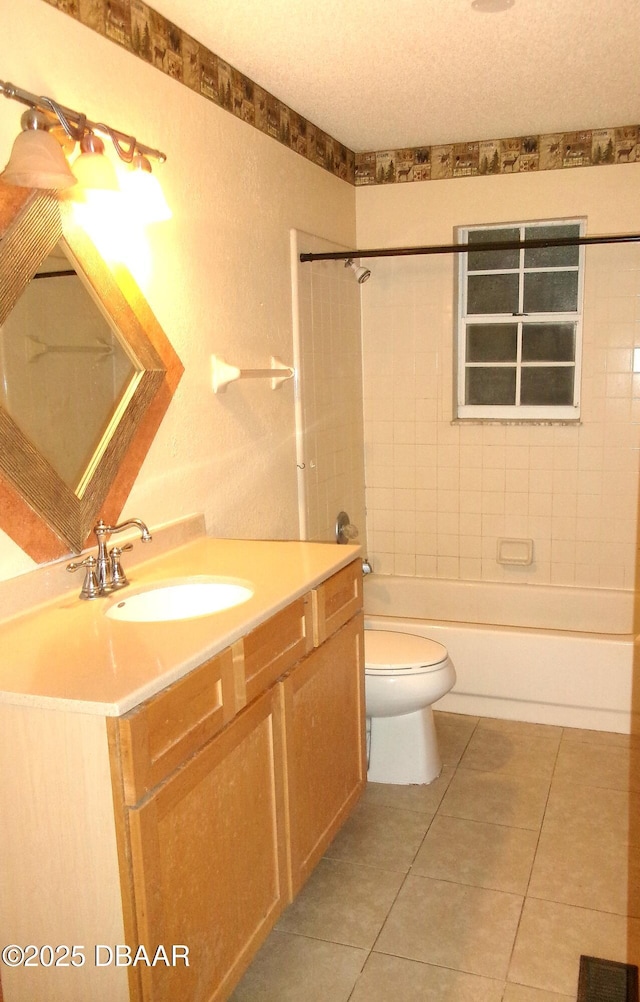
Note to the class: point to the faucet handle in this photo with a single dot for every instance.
(90, 588)
(118, 577)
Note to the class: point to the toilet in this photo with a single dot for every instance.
(404, 675)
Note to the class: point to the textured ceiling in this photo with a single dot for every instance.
(380, 75)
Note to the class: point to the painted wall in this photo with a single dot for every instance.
(217, 275)
(440, 494)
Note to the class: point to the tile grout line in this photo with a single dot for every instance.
(408, 873)
(533, 863)
(380, 931)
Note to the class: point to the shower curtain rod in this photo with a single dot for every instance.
(497, 245)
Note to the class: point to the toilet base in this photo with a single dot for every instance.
(404, 749)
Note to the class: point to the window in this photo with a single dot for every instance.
(520, 324)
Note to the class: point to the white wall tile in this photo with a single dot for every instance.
(573, 489)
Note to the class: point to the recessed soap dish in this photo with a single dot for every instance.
(515, 551)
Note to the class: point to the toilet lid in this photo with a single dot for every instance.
(386, 649)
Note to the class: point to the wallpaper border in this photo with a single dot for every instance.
(556, 151)
(150, 36)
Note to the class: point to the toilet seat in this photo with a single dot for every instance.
(387, 652)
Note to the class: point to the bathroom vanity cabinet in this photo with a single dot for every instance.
(224, 790)
(219, 831)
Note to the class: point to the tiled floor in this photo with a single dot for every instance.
(485, 886)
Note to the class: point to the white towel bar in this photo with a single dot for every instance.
(222, 374)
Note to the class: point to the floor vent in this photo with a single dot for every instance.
(607, 981)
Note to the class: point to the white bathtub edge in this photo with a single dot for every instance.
(540, 606)
(588, 718)
(547, 677)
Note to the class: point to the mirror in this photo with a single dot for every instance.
(86, 375)
(64, 369)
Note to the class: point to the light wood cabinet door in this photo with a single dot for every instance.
(336, 600)
(208, 858)
(325, 745)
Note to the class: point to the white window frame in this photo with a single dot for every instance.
(517, 412)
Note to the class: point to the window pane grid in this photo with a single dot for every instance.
(522, 270)
(518, 366)
(481, 235)
(533, 368)
(523, 365)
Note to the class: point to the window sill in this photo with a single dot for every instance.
(562, 422)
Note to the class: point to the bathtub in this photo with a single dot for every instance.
(544, 654)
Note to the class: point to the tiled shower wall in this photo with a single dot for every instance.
(329, 416)
(440, 494)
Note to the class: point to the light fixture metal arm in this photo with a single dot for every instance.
(117, 138)
(75, 132)
(76, 124)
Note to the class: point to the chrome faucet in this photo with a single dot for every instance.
(107, 562)
(104, 573)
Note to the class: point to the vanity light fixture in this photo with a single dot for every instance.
(34, 162)
(37, 159)
(145, 191)
(91, 168)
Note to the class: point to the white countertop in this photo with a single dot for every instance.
(66, 654)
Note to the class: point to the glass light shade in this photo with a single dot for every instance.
(92, 168)
(144, 191)
(95, 170)
(37, 161)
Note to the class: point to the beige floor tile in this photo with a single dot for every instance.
(454, 731)
(342, 903)
(423, 799)
(445, 932)
(473, 852)
(601, 737)
(603, 815)
(521, 728)
(517, 993)
(391, 979)
(380, 836)
(289, 968)
(464, 928)
(606, 766)
(591, 873)
(552, 937)
(495, 749)
(498, 798)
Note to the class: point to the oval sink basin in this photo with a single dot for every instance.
(181, 599)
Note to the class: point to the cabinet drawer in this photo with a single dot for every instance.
(336, 601)
(164, 732)
(274, 647)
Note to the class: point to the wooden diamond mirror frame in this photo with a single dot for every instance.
(44, 515)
